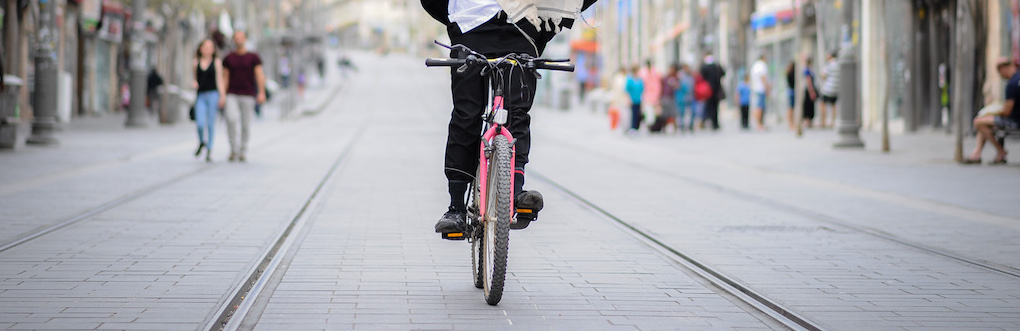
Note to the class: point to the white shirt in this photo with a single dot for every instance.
(469, 14)
(831, 85)
(759, 72)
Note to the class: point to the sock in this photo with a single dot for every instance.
(457, 190)
(518, 181)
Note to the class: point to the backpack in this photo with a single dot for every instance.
(702, 91)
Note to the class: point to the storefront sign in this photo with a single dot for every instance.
(113, 29)
(91, 12)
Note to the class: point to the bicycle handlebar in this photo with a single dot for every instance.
(559, 66)
(438, 62)
(539, 64)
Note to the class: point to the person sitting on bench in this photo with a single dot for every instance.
(1008, 119)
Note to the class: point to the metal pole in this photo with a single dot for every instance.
(886, 145)
(846, 125)
(45, 116)
(136, 109)
(800, 63)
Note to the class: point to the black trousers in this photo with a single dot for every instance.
(744, 111)
(470, 97)
(712, 111)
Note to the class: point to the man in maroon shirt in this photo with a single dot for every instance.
(246, 86)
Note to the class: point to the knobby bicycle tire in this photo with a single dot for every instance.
(500, 190)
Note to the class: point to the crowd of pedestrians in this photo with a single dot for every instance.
(685, 99)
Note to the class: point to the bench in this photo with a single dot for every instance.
(1001, 135)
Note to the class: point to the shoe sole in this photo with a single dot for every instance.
(452, 229)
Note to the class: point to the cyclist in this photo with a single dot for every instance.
(494, 28)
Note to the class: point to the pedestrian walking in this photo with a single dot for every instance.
(760, 87)
(685, 99)
(246, 87)
(713, 73)
(670, 84)
(636, 90)
(744, 90)
(810, 95)
(302, 81)
(320, 66)
(153, 82)
(620, 97)
(652, 80)
(582, 74)
(791, 93)
(830, 89)
(285, 71)
(210, 94)
(1007, 119)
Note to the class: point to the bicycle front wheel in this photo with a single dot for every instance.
(496, 235)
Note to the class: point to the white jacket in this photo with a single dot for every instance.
(543, 14)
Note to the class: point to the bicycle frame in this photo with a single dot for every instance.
(495, 129)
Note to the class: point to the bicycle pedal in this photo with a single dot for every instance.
(523, 219)
(455, 236)
(521, 224)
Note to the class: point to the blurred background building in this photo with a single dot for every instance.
(908, 50)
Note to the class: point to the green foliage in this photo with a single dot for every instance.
(207, 7)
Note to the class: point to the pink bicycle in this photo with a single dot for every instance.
(490, 207)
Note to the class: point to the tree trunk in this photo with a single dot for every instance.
(963, 71)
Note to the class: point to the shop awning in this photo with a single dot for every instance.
(587, 46)
(662, 39)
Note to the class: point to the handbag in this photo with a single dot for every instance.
(191, 113)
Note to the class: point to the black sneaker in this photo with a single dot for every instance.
(453, 221)
(528, 204)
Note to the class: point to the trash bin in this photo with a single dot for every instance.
(171, 103)
(9, 112)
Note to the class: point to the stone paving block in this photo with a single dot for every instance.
(147, 326)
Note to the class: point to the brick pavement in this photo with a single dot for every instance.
(371, 260)
(752, 205)
(166, 260)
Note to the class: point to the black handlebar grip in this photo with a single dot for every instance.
(434, 62)
(558, 66)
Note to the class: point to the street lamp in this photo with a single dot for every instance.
(139, 62)
(44, 122)
(847, 126)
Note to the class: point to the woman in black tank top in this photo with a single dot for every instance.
(210, 94)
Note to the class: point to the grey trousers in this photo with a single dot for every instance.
(240, 109)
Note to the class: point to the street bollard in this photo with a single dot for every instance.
(564, 100)
(9, 116)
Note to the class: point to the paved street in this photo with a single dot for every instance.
(156, 239)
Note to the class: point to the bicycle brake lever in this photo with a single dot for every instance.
(442, 44)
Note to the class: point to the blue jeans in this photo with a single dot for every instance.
(699, 110)
(206, 106)
(682, 108)
(635, 116)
